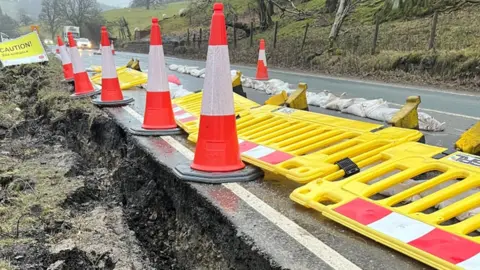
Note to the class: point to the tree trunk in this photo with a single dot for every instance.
(148, 4)
(271, 11)
(331, 5)
(264, 17)
(243, 26)
(342, 12)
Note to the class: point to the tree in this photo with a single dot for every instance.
(79, 12)
(8, 25)
(345, 7)
(147, 3)
(51, 16)
(24, 18)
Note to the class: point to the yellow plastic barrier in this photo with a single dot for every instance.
(128, 78)
(408, 220)
(304, 146)
(469, 142)
(187, 110)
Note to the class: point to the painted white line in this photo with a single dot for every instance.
(446, 113)
(302, 236)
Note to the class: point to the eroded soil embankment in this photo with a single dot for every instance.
(77, 193)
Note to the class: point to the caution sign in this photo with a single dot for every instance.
(23, 50)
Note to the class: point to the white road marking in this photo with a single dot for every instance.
(302, 236)
(447, 113)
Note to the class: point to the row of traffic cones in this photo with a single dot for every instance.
(217, 155)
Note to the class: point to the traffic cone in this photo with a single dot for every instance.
(262, 71)
(217, 155)
(83, 85)
(66, 61)
(111, 93)
(158, 118)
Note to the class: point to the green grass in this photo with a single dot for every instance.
(140, 17)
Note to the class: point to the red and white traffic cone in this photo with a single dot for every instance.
(217, 155)
(66, 61)
(111, 93)
(262, 70)
(83, 85)
(158, 118)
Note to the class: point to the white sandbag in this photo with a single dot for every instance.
(189, 70)
(173, 67)
(274, 86)
(177, 91)
(427, 122)
(197, 72)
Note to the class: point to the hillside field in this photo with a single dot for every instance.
(401, 55)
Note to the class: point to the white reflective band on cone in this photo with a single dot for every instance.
(76, 61)
(108, 67)
(64, 55)
(217, 98)
(157, 75)
(262, 56)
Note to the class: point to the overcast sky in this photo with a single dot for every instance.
(115, 3)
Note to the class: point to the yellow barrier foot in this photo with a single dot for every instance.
(469, 141)
(407, 117)
(277, 100)
(136, 65)
(130, 63)
(237, 85)
(298, 100)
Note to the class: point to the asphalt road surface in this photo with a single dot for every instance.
(459, 111)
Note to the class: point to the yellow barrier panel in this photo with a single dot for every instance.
(304, 146)
(408, 220)
(128, 78)
(187, 110)
(469, 142)
(407, 116)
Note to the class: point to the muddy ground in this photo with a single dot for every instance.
(77, 193)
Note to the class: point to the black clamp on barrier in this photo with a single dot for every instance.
(348, 166)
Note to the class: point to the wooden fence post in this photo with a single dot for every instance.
(234, 35)
(251, 34)
(375, 35)
(304, 36)
(275, 35)
(431, 44)
(200, 38)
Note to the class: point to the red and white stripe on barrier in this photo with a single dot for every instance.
(183, 116)
(263, 153)
(439, 243)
